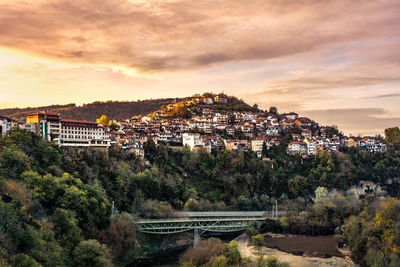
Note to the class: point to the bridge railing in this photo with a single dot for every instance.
(215, 216)
(214, 219)
(208, 214)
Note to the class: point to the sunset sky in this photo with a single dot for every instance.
(335, 61)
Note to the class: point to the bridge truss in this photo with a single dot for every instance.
(220, 225)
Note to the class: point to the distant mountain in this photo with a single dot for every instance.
(123, 110)
(113, 109)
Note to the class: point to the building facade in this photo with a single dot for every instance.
(64, 132)
(80, 133)
(45, 124)
(5, 125)
(192, 140)
(257, 145)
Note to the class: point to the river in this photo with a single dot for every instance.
(298, 251)
(170, 257)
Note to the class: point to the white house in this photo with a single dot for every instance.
(296, 147)
(192, 140)
(272, 130)
(257, 145)
(5, 125)
(311, 146)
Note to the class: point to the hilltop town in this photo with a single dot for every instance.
(209, 121)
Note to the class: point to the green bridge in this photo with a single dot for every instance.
(201, 222)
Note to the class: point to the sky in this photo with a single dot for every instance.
(336, 61)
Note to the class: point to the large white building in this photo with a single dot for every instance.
(76, 133)
(83, 133)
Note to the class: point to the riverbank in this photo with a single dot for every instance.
(307, 249)
(168, 256)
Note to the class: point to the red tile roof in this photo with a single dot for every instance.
(298, 143)
(78, 121)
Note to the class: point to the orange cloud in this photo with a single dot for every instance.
(303, 55)
(158, 36)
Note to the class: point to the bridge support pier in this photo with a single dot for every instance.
(196, 237)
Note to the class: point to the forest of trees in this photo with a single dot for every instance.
(55, 203)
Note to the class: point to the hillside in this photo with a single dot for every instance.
(113, 109)
(184, 107)
(122, 110)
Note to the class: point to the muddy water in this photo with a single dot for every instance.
(320, 246)
(311, 251)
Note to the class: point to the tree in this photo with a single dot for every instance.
(273, 110)
(261, 261)
(103, 120)
(220, 261)
(69, 193)
(191, 205)
(284, 223)
(392, 135)
(161, 156)
(92, 253)
(23, 260)
(264, 151)
(298, 186)
(258, 241)
(41, 246)
(51, 156)
(239, 134)
(114, 126)
(272, 261)
(202, 253)
(321, 195)
(232, 254)
(120, 236)
(13, 162)
(150, 150)
(243, 203)
(66, 228)
(179, 111)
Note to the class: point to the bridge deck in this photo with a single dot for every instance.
(209, 214)
(186, 220)
(221, 221)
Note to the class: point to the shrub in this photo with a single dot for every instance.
(202, 253)
(219, 261)
(258, 241)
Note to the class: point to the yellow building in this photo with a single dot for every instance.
(44, 123)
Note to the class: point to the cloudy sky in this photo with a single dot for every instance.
(336, 61)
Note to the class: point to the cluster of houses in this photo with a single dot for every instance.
(315, 144)
(208, 128)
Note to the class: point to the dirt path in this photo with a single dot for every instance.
(246, 250)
